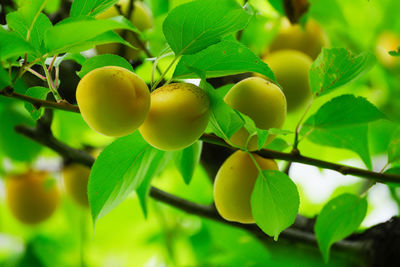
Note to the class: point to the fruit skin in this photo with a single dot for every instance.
(309, 40)
(113, 101)
(76, 178)
(141, 18)
(234, 184)
(262, 101)
(387, 41)
(30, 196)
(291, 69)
(178, 116)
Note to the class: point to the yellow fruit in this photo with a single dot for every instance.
(141, 18)
(234, 184)
(113, 101)
(291, 69)
(387, 41)
(309, 40)
(261, 100)
(32, 197)
(76, 178)
(178, 116)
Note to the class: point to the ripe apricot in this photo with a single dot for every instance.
(32, 197)
(234, 185)
(261, 100)
(141, 18)
(178, 116)
(113, 101)
(291, 69)
(309, 40)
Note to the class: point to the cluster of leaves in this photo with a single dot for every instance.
(201, 36)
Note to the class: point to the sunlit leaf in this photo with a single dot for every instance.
(104, 60)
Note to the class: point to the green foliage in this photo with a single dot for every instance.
(13, 45)
(224, 58)
(274, 202)
(38, 92)
(395, 53)
(4, 78)
(336, 67)
(339, 218)
(394, 148)
(187, 159)
(103, 60)
(80, 8)
(132, 161)
(194, 26)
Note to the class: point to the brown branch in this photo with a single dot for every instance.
(296, 157)
(63, 105)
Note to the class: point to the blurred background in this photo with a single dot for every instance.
(169, 237)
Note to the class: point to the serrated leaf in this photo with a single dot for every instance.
(119, 169)
(13, 45)
(104, 60)
(354, 138)
(187, 160)
(221, 59)
(346, 110)
(191, 27)
(38, 92)
(336, 67)
(339, 218)
(274, 202)
(81, 8)
(394, 148)
(73, 32)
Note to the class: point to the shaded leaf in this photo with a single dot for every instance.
(36, 92)
(187, 159)
(394, 148)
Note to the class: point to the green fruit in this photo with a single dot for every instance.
(113, 101)
(291, 69)
(234, 185)
(178, 116)
(261, 100)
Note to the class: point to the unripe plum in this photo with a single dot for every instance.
(113, 101)
(261, 100)
(32, 197)
(387, 41)
(141, 18)
(234, 185)
(291, 69)
(309, 40)
(76, 178)
(178, 116)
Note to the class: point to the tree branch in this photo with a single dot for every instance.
(63, 105)
(296, 157)
(266, 153)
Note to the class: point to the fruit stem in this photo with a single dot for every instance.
(51, 84)
(165, 72)
(299, 125)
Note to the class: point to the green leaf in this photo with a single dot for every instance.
(16, 21)
(252, 129)
(395, 53)
(13, 45)
(103, 60)
(14, 145)
(339, 218)
(346, 110)
(120, 169)
(143, 190)
(394, 148)
(354, 138)
(81, 8)
(278, 144)
(72, 32)
(191, 27)
(221, 59)
(36, 92)
(274, 202)
(4, 78)
(224, 121)
(336, 67)
(186, 160)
